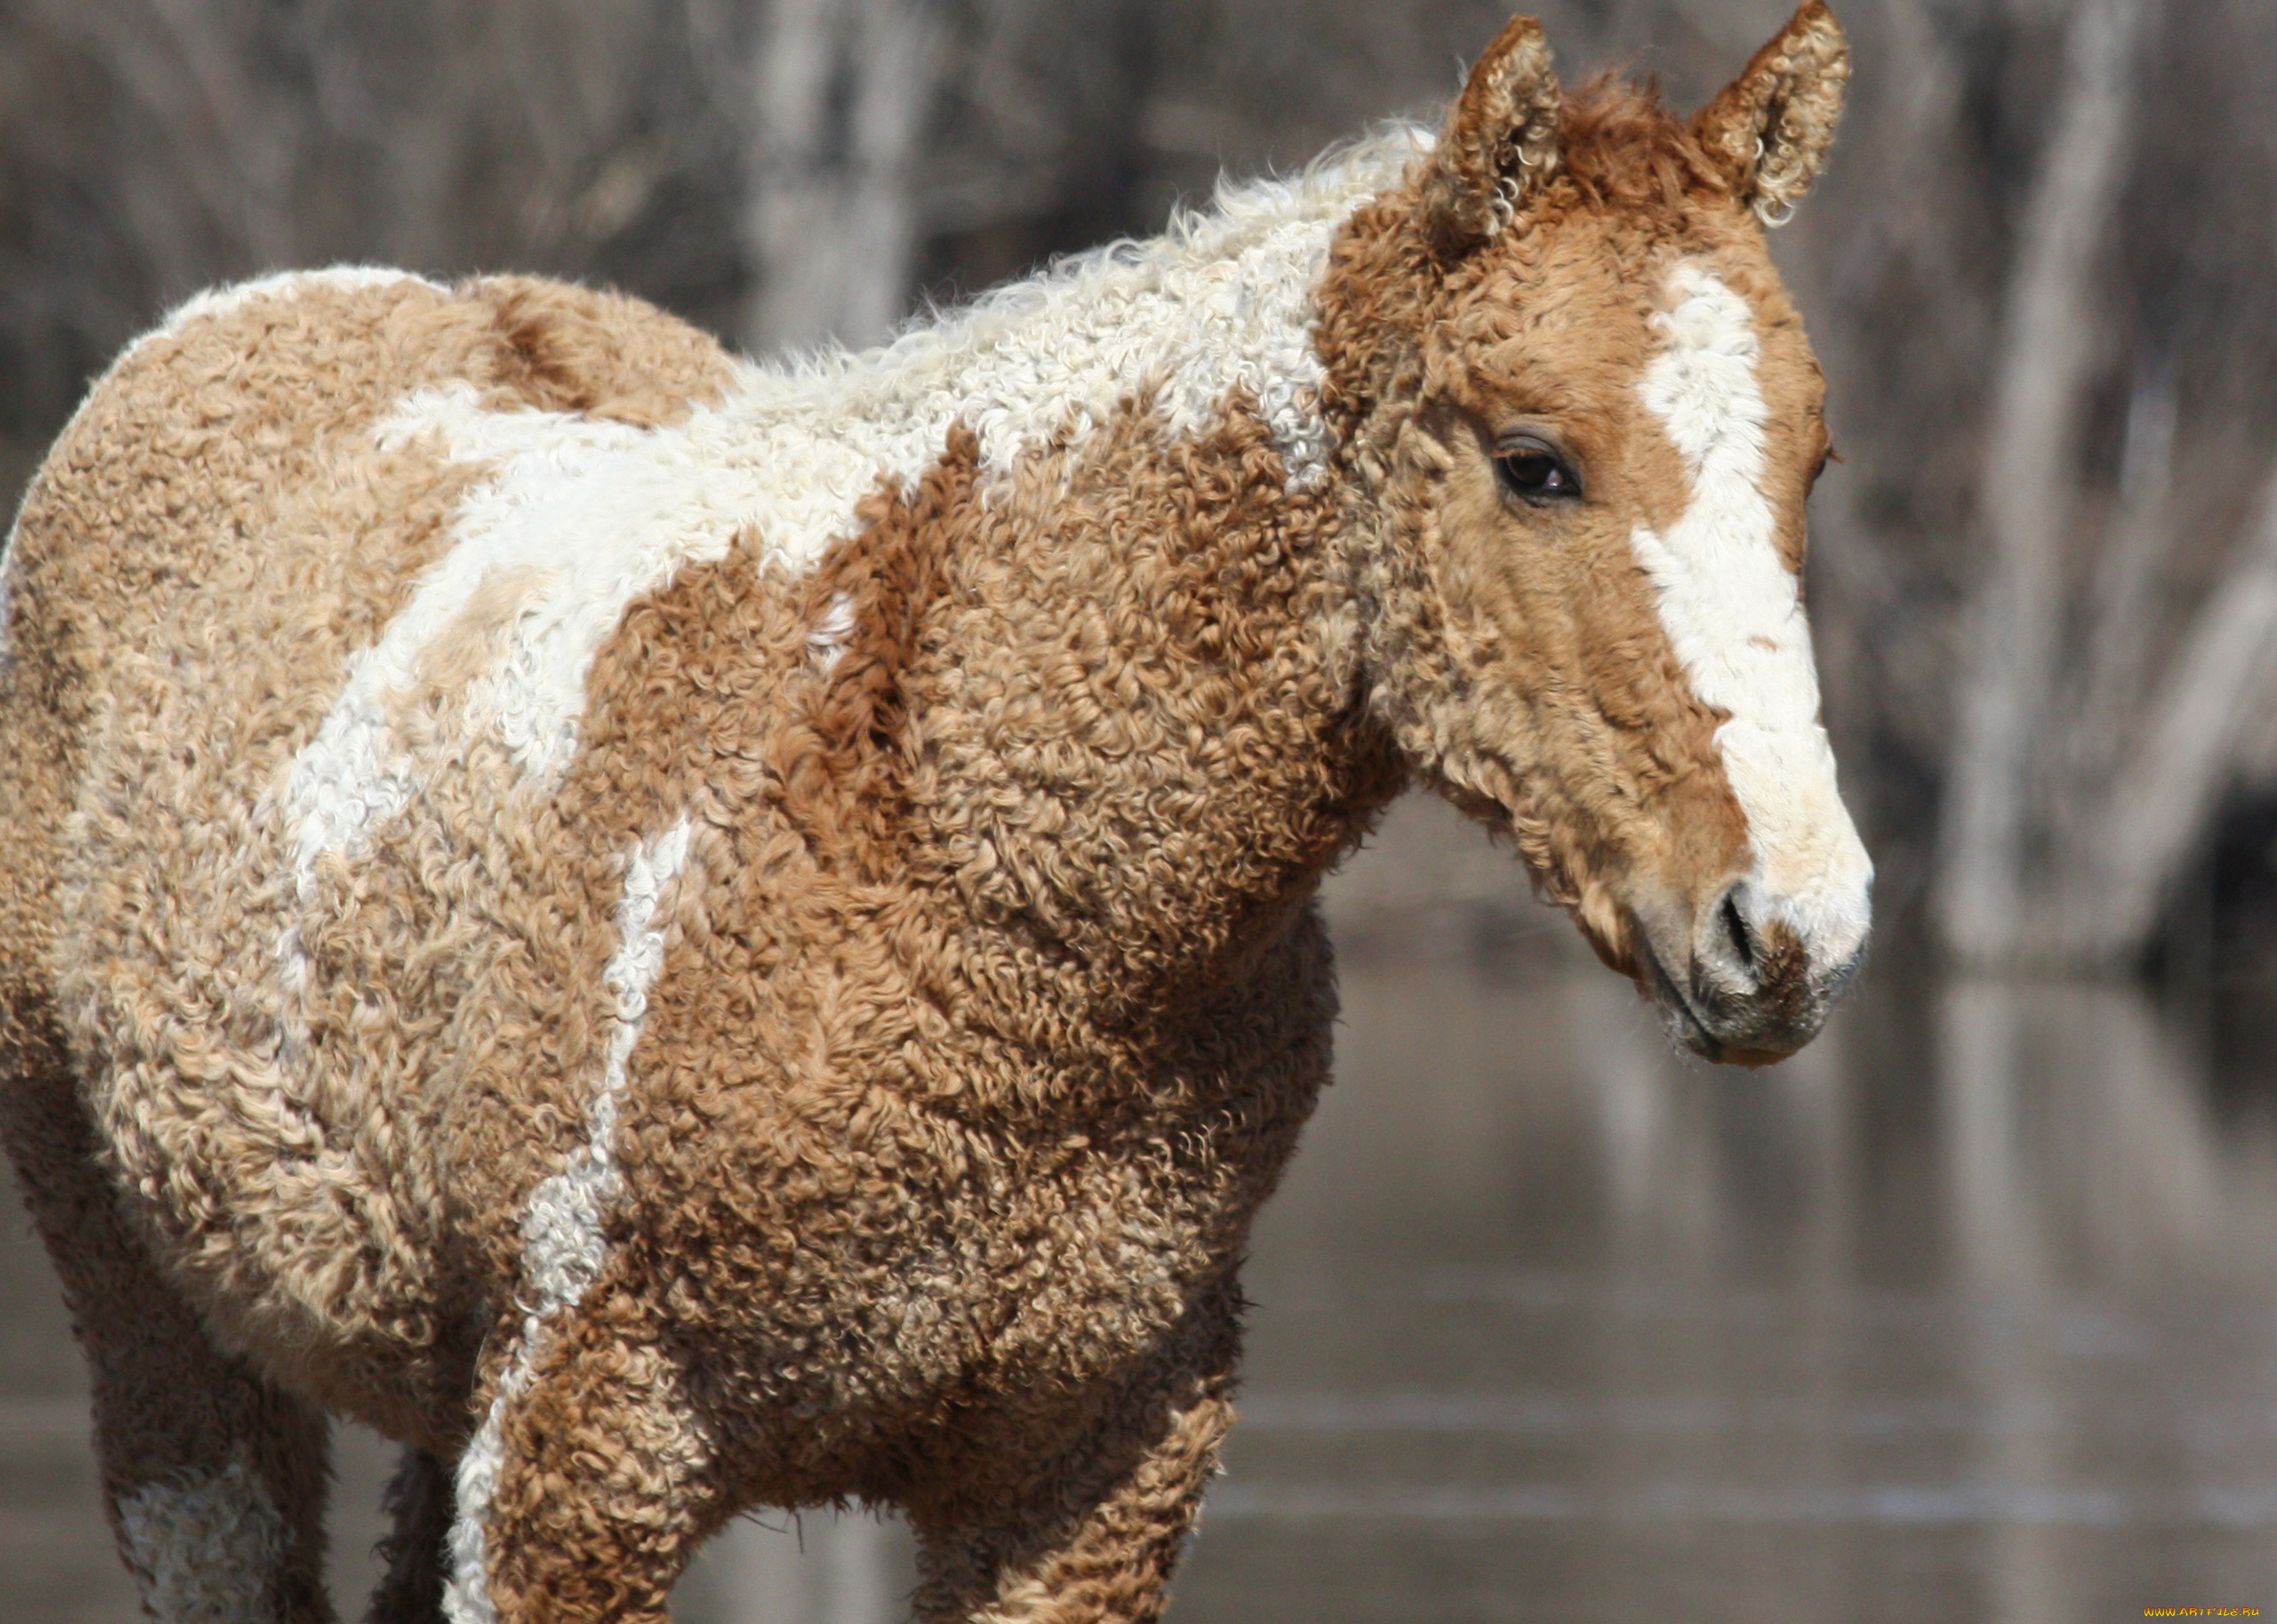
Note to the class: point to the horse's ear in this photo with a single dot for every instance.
(1770, 128)
(1501, 141)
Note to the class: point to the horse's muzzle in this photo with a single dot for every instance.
(1738, 979)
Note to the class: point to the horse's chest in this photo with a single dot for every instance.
(863, 1281)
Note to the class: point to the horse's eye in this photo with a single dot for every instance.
(1534, 473)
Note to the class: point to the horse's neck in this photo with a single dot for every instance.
(1222, 302)
(1135, 706)
(1127, 681)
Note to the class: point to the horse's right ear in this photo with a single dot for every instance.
(1501, 141)
(1770, 128)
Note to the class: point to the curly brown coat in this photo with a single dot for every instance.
(938, 918)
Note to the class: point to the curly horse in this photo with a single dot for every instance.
(679, 935)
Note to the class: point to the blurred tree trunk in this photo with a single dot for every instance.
(2157, 808)
(843, 88)
(2085, 776)
(1984, 890)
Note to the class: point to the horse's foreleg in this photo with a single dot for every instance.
(213, 1477)
(589, 1483)
(1094, 1544)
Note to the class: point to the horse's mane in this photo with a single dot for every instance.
(1624, 148)
(1238, 212)
(1619, 143)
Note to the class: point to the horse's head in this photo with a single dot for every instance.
(1582, 421)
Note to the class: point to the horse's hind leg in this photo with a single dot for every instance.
(213, 1477)
(421, 1504)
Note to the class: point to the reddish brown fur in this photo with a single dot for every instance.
(1575, 731)
(1623, 150)
(1395, 336)
(1002, 1042)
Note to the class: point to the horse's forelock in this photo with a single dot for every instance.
(1623, 147)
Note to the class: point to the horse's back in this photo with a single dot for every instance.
(223, 526)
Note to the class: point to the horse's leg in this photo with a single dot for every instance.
(589, 1483)
(1095, 1541)
(212, 1477)
(419, 1504)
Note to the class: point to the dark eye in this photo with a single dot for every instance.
(1534, 473)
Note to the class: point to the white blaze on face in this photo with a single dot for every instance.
(1734, 612)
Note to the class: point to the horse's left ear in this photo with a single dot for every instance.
(1501, 141)
(1770, 128)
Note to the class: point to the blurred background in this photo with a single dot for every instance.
(1970, 1312)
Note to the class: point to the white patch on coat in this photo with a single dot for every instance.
(563, 1246)
(1734, 612)
(591, 516)
(228, 301)
(1220, 304)
(827, 642)
(207, 1549)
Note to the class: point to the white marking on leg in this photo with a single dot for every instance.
(206, 1549)
(563, 1245)
(1734, 611)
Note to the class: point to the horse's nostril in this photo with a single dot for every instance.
(1735, 926)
